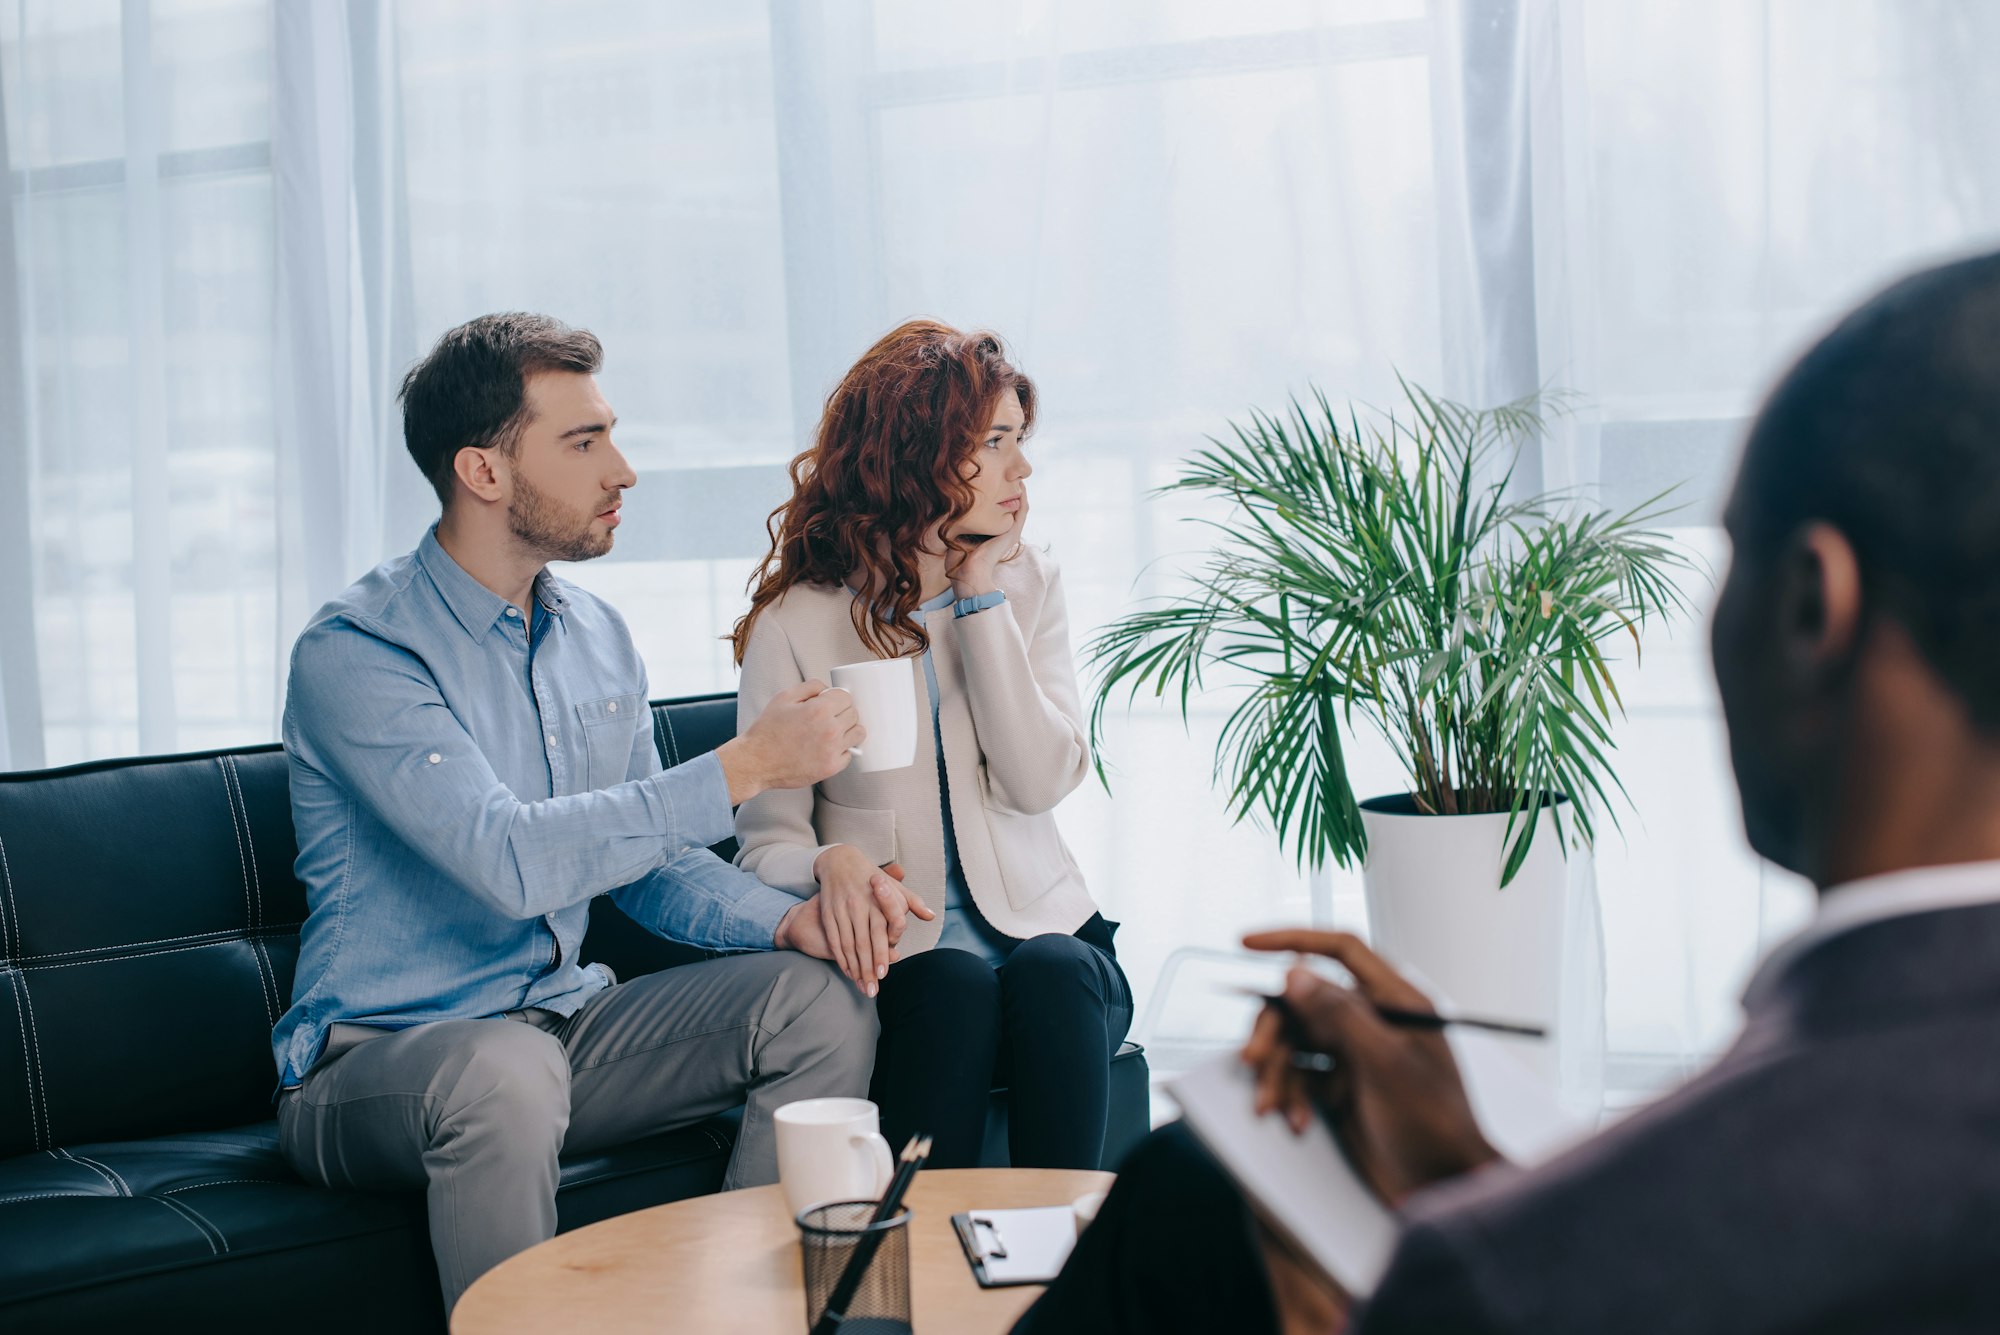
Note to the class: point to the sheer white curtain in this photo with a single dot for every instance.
(1713, 182)
(235, 221)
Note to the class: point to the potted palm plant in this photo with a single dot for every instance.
(1378, 571)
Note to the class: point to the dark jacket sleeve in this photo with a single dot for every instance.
(1430, 1288)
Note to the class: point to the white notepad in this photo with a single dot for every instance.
(1017, 1246)
(1303, 1186)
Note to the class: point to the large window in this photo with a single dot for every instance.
(233, 223)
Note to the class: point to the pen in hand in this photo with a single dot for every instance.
(1402, 1019)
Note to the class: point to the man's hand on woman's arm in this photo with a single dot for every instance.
(1394, 1096)
(863, 910)
(814, 927)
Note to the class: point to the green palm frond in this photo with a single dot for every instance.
(1377, 569)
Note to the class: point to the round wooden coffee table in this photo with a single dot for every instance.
(731, 1262)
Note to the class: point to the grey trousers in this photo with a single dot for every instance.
(476, 1111)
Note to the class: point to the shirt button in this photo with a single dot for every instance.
(514, 612)
(552, 739)
(611, 708)
(435, 757)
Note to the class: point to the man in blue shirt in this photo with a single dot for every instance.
(472, 761)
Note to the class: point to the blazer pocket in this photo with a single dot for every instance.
(873, 832)
(1033, 859)
(610, 731)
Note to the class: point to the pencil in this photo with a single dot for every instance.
(849, 1284)
(1409, 1019)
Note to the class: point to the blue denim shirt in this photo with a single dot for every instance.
(463, 785)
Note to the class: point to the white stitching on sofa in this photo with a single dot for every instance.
(212, 938)
(7, 878)
(139, 955)
(266, 969)
(201, 1225)
(60, 1155)
(105, 1168)
(269, 970)
(673, 738)
(49, 1195)
(242, 866)
(183, 1205)
(27, 1001)
(224, 1182)
(266, 989)
(28, 1085)
(250, 842)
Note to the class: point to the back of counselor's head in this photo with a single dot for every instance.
(1889, 430)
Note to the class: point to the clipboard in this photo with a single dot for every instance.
(1009, 1247)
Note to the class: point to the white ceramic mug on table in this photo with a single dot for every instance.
(885, 699)
(831, 1150)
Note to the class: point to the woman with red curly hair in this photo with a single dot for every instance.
(949, 893)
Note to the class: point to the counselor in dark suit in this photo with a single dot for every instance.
(1839, 1168)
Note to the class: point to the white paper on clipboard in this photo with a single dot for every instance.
(1017, 1246)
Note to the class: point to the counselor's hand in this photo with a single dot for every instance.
(863, 909)
(973, 573)
(801, 737)
(1394, 1097)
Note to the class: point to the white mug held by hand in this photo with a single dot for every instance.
(831, 1150)
(885, 699)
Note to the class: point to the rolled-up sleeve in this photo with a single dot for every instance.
(702, 900)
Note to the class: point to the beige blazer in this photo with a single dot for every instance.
(1014, 746)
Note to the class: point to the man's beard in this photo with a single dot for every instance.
(543, 523)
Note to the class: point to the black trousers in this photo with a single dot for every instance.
(1045, 1023)
(1173, 1249)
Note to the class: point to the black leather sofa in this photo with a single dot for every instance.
(148, 933)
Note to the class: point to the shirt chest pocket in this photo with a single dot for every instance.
(610, 731)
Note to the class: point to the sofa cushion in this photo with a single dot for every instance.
(125, 1213)
(135, 1214)
(151, 930)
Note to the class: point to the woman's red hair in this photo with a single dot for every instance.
(887, 471)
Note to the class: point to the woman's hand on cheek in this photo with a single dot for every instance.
(974, 572)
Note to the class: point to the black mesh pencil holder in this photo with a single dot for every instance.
(831, 1234)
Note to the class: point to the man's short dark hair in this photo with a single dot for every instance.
(1889, 429)
(471, 389)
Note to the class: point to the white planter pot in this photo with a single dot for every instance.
(1435, 906)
